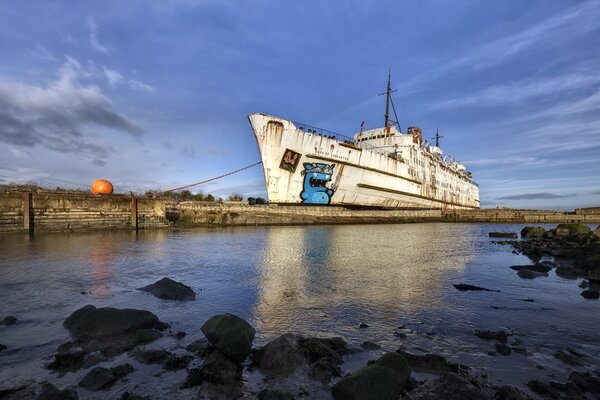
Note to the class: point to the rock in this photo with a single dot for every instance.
(585, 382)
(502, 349)
(51, 392)
(561, 232)
(447, 387)
(464, 287)
(10, 320)
(370, 346)
(430, 363)
(133, 396)
(543, 389)
(268, 394)
(567, 359)
(537, 267)
(281, 356)
(97, 379)
(501, 336)
(529, 274)
(169, 289)
(567, 272)
(590, 294)
(101, 378)
(199, 346)
(3, 347)
(382, 380)
(584, 284)
(176, 362)
(144, 336)
(597, 231)
(230, 334)
(594, 275)
(150, 356)
(532, 232)
(508, 392)
(363, 325)
(324, 356)
(217, 368)
(509, 235)
(106, 321)
(70, 360)
(180, 335)
(574, 229)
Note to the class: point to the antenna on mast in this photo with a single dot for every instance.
(437, 137)
(388, 99)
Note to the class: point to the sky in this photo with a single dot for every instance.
(155, 95)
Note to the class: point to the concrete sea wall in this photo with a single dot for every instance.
(60, 211)
(582, 215)
(74, 212)
(197, 213)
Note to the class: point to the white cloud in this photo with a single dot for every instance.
(114, 78)
(94, 41)
(56, 115)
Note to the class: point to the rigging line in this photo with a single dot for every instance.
(212, 179)
(396, 115)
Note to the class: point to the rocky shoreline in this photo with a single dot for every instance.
(108, 345)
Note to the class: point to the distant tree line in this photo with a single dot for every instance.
(186, 195)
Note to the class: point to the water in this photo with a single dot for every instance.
(317, 280)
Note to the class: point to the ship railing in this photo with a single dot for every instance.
(332, 135)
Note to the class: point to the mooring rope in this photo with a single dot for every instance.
(212, 179)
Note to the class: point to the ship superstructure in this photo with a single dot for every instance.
(380, 167)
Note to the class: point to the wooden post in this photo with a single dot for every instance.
(134, 212)
(27, 212)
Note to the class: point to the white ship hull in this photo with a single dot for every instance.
(309, 166)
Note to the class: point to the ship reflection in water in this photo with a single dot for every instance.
(333, 272)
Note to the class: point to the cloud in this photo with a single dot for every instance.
(528, 89)
(99, 163)
(42, 53)
(55, 115)
(96, 45)
(115, 79)
(535, 196)
(513, 161)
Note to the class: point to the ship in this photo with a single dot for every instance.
(382, 168)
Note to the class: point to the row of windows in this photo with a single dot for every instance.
(376, 137)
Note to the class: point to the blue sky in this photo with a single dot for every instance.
(156, 94)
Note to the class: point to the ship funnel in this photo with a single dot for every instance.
(416, 133)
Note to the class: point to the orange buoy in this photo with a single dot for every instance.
(102, 186)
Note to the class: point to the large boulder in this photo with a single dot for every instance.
(529, 274)
(537, 267)
(169, 289)
(108, 321)
(101, 378)
(447, 387)
(216, 369)
(281, 356)
(230, 334)
(430, 363)
(532, 232)
(289, 352)
(575, 229)
(507, 235)
(382, 380)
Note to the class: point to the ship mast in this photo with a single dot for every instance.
(387, 101)
(437, 137)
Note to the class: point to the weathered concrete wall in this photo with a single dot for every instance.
(63, 212)
(519, 216)
(73, 212)
(195, 213)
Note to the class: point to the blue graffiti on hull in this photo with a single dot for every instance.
(314, 190)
